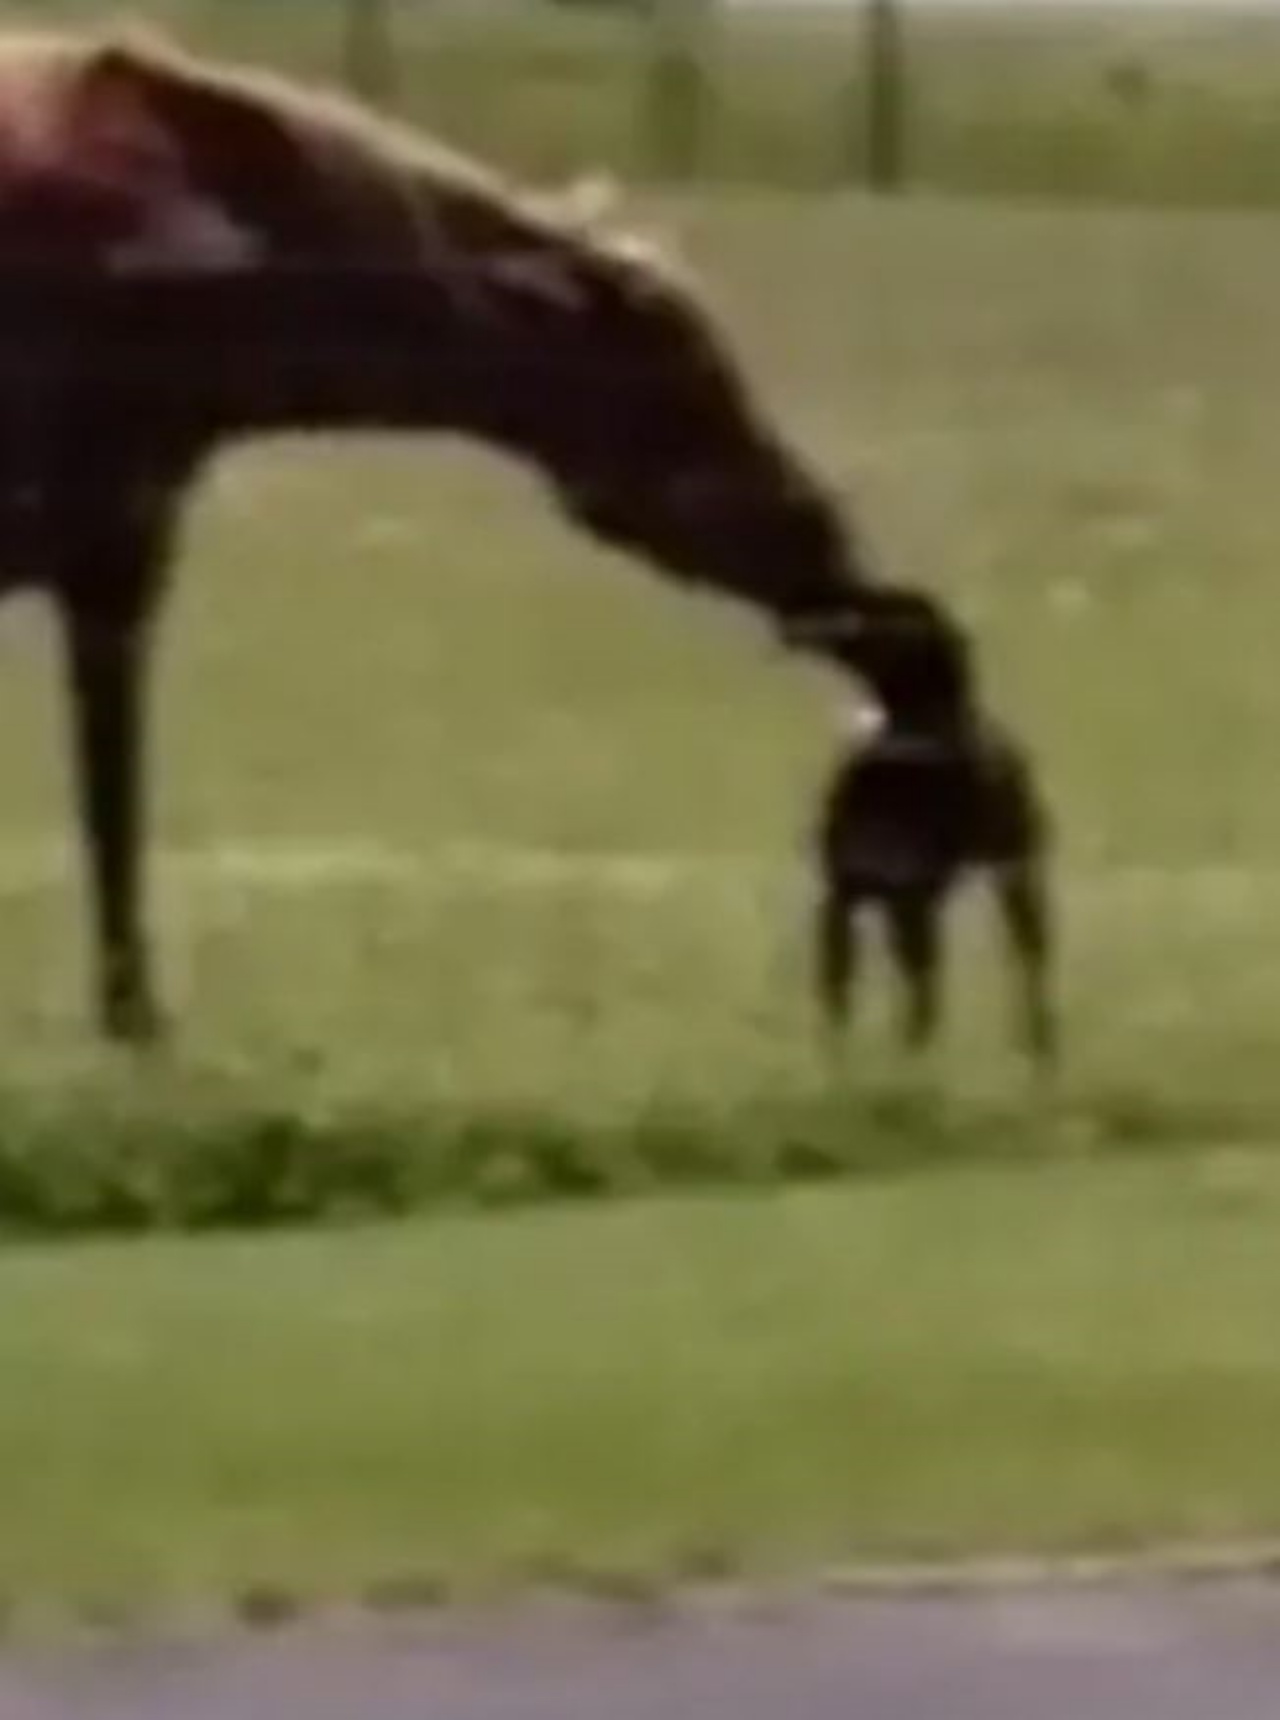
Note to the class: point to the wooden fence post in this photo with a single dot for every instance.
(884, 47)
(676, 95)
(368, 52)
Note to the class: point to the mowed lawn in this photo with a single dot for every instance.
(458, 811)
(977, 1362)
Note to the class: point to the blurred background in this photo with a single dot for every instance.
(1165, 103)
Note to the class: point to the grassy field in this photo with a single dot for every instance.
(1174, 105)
(594, 904)
(565, 955)
(981, 1360)
(576, 938)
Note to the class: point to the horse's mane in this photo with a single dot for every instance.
(310, 175)
(391, 187)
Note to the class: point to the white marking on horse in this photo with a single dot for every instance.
(188, 234)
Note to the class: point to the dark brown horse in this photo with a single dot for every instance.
(193, 255)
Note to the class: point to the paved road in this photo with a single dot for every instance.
(1204, 1654)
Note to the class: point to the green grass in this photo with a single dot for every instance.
(468, 829)
(480, 879)
(1168, 105)
(975, 1361)
(459, 817)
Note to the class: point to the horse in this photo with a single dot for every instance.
(196, 253)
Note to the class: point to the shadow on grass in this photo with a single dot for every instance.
(117, 1158)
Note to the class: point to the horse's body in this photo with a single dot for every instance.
(192, 255)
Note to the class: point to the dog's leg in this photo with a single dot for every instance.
(835, 956)
(915, 935)
(1023, 898)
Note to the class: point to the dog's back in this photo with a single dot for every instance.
(913, 811)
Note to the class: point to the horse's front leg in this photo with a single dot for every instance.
(107, 664)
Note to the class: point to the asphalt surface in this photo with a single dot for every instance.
(1207, 1653)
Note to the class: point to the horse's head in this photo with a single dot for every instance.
(912, 655)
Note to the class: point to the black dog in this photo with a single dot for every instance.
(939, 792)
